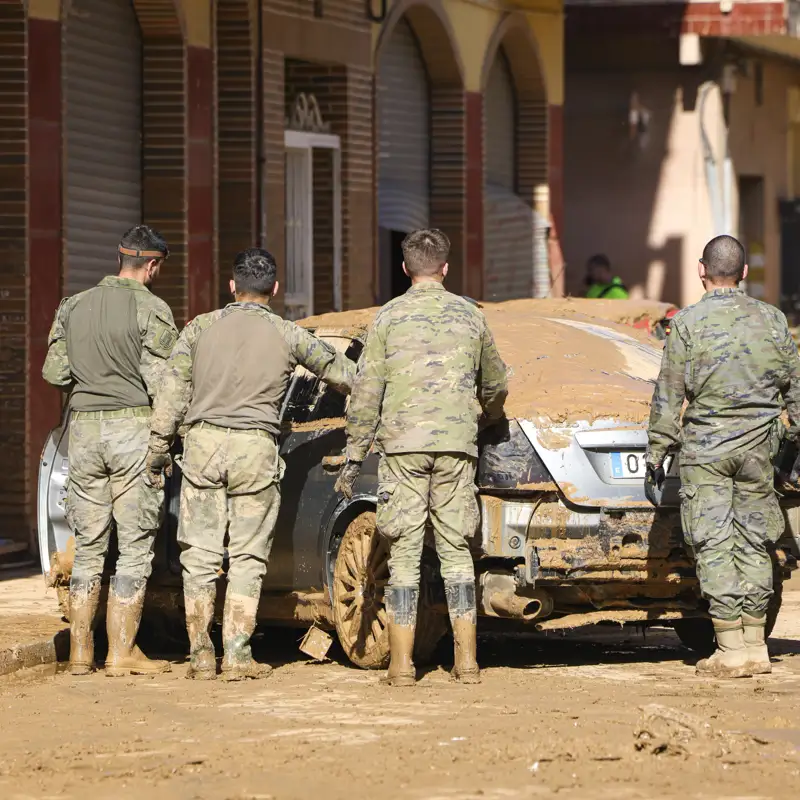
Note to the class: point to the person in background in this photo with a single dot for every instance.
(600, 283)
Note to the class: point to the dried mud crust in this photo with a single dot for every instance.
(605, 715)
(561, 370)
(360, 576)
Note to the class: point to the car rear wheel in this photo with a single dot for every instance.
(360, 576)
(697, 633)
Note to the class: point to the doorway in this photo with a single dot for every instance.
(304, 172)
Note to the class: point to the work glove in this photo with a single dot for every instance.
(654, 479)
(348, 475)
(157, 464)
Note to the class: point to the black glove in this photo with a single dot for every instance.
(654, 479)
(348, 475)
(157, 464)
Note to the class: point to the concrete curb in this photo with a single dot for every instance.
(50, 650)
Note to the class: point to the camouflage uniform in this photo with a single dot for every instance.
(108, 346)
(226, 380)
(733, 359)
(415, 395)
(109, 419)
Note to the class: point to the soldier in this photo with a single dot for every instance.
(109, 345)
(225, 381)
(733, 359)
(415, 393)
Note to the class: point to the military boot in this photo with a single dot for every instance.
(238, 624)
(199, 604)
(731, 658)
(754, 630)
(401, 610)
(84, 597)
(464, 621)
(125, 603)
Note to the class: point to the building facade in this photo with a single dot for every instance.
(681, 123)
(322, 129)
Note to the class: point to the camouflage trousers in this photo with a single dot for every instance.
(231, 484)
(416, 487)
(107, 452)
(730, 516)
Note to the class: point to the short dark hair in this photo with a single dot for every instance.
(425, 251)
(599, 260)
(724, 257)
(254, 272)
(141, 237)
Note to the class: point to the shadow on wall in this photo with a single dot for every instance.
(630, 189)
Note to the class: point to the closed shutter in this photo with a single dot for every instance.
(102, 95)
(509, 220)
(403, 109)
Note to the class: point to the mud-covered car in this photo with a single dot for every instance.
(567, 536)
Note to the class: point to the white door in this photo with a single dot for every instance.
(299, 290)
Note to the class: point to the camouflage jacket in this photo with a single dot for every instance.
(231, 368)
(733, 360)
(109, 345)
(429, 366)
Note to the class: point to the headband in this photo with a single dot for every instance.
(126, 251)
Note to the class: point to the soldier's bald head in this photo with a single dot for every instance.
(425, 252)
(724, 260)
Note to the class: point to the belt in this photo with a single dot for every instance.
(117, 413)
(254, 431)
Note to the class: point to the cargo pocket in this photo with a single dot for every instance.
(151, 506)
(688, 495)
(776, 522)
(387, 513)
(471, 512)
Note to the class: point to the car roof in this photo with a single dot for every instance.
(569, 359)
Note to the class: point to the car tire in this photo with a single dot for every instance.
(360, 576)
(697, 633)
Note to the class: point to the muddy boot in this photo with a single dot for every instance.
(464, 621)
(125, 602)
(731, 658)
(401, 609)
(754, 630)
(199, 603)
(84, 597)
(238, 624)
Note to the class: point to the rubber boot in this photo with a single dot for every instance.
(754, 630)
(199, 604)
(238, 624)
(401, 610)
(464, 621)
(84, 598)
(731, 658)
(125, 603)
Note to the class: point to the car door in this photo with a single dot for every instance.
(312, 447)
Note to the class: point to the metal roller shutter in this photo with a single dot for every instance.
(403, 109)
(509, 221)
(102, 95)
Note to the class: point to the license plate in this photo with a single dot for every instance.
(628, 465)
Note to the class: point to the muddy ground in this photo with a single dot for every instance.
(554, 716)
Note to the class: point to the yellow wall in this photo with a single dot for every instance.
(473, 22)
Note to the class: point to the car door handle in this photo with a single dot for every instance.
(333, 463)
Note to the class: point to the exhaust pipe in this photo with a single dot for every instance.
(499, 598)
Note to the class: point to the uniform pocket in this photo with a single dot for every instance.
(776, 522)
(387, 516)
(471, 512)
(151, 506)
(688, 495)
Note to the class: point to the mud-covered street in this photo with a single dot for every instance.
(555, 715)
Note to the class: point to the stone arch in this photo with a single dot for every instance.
(437, 42)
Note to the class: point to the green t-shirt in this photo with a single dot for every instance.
(608, 291)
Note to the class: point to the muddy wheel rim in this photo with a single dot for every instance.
(360, 579)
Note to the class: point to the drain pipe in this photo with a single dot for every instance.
(710, 163)
(261, 188)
